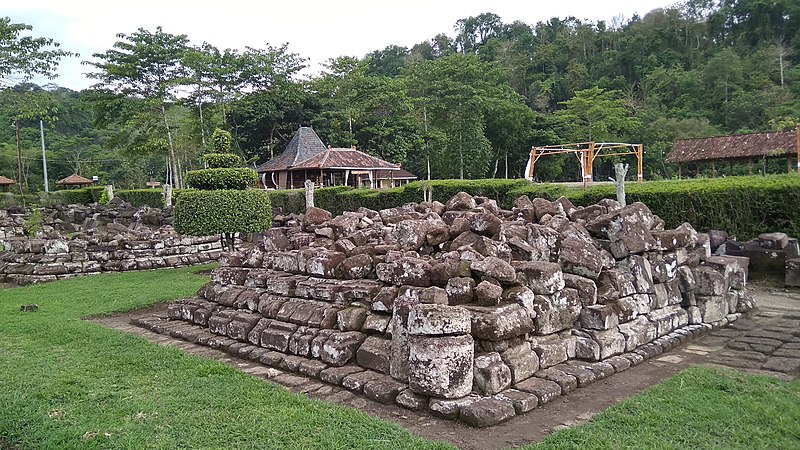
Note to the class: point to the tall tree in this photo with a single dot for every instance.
(149, 66)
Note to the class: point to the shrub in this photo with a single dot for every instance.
(103, 198)
(153, 198)
(202, 213)
(222, 160)
(221, 140)
(229, 178)
(78, 196)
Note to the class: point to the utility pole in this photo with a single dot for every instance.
(19, 155)
(44, 158)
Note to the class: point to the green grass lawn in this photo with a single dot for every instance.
(697, 408)
(68, 383)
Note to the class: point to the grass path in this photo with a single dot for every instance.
(67, 383)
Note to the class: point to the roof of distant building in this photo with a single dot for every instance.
(779, 143)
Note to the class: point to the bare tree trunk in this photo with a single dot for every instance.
(620, 170)
(506, 165)
(202, 126)
(172, 161)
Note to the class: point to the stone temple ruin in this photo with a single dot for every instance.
(88, 239)
(470, 311)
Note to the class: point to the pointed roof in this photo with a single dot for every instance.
(303, 145)
(344, 158)
(6, 181)
(74, 179)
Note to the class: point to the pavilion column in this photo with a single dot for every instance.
(750, 166)
(679, 171)
(713, 168)
(789, 164)
(697, 169)
(730, 167)
(765, 166)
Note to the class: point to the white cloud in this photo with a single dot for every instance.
(315, 29)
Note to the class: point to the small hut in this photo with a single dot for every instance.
(737, 148)
(5, 182)
(307, 158)
(75, 181)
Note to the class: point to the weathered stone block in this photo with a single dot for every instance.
(276, 335)
(500, 323)
(490, 374)
(438, 320)
(556, 312)
(487, 412)
(341, 347)
(522, 361)
(545, 390)
(488, 294)
(404, 271)
(580, 257)
(713, 308)
(587, 289)
(599, 317)
(441, 366)
(375, 354)
(541, 277)
(460, 290)
(351, 319)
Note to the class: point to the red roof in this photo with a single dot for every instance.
(73, 180)
(736, 146)
(6, 181)
(344, 158)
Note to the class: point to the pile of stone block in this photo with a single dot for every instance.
(81, 240)
(775, 253)
(471, 311)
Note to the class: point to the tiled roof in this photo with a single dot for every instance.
(4, 181)
(303, 145)
(735, 146)
(74, 179)
(344, 158)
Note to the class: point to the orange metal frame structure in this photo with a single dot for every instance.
(586, 152)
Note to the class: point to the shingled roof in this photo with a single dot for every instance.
(4, 181)
(780, 143)
(400, 174)
(74, 180)
(344, 158)
(303, 145)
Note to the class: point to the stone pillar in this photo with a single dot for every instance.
(309, 194)
(110, 191)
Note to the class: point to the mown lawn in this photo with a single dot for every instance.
(68, 383)
(697, 408)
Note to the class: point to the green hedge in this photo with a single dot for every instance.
(222, 160)
(230, 178)
(742, 206)
(203, 213)
(9, 199)
(153, 198)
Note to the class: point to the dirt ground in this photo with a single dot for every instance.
(776, 307)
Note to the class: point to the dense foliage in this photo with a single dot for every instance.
(202, 213)
(223, 178)
(222, 160)
(466, 105)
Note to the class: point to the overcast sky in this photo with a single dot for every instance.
(315, 29)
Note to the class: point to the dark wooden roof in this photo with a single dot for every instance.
(779, 143)
(4, 181)
(400, 174)
(344, 158)
(74, 180)
(303, 145)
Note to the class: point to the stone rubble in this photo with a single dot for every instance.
(473, 312)
(84, 239)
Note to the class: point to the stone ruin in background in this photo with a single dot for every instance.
(88, 239)
(473, 312)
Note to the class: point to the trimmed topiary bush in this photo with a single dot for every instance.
(222, 160)
(201, 213)
(225, 178)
